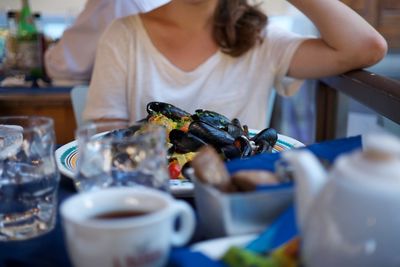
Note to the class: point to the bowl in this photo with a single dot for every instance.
(227, 214)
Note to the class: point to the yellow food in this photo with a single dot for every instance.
(170, 125)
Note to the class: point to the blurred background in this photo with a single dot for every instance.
(294, 116)
(58, 15)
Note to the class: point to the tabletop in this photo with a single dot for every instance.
(49, 250)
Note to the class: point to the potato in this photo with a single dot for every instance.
(210, 169)
(248, 180)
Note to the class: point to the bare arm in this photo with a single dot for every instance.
(347, 41)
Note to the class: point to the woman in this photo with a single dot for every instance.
(220, 55)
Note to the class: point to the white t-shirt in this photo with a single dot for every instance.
(130, 72)
(71, 59)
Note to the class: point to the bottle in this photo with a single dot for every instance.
(29, 44)
(37, 20)
(42, 42)
(11, 42)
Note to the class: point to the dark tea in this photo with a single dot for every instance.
(120, 214)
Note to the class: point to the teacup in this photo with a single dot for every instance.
(124, 226)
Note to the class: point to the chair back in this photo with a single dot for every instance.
(78, 98)
(270, 107)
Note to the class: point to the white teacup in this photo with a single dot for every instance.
(108, 228)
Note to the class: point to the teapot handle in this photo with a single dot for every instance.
(309, 176)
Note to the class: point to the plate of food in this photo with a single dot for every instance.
(187, 133)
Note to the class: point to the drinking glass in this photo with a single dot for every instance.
(28, 177)
(114, 154)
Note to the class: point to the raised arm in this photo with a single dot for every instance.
(347, 41)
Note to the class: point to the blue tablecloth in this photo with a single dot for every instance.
(49, 250)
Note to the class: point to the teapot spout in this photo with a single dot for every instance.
(310, 177)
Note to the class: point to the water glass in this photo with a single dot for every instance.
(28, 177)
(112, 154)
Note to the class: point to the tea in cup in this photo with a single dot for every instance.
(124, 226)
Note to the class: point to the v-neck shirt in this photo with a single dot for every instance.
(130, 71)
(158, 56)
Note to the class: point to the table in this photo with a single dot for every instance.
(49, 250)
(45, 251)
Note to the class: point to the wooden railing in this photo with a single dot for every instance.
(378, 93)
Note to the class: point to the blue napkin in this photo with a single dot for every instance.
(281, 231)
(328, 150)
(184, 257)
(278, 233)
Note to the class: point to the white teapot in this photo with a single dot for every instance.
(351, 215)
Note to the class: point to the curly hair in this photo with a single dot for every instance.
(237, 26)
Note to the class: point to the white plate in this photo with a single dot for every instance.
(67, 154)
(216, 248)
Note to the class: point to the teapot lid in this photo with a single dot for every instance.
(376, 166)
(381, 147)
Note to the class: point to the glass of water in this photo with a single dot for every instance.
(120, 154)
(28, 177)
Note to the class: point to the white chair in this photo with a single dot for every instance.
(78, 98)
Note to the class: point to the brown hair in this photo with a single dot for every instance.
(237, 26)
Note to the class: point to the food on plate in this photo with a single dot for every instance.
(248, 180)
(187, 133)
(210, 169)
(287, 255)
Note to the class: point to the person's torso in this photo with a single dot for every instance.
(235, 87)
